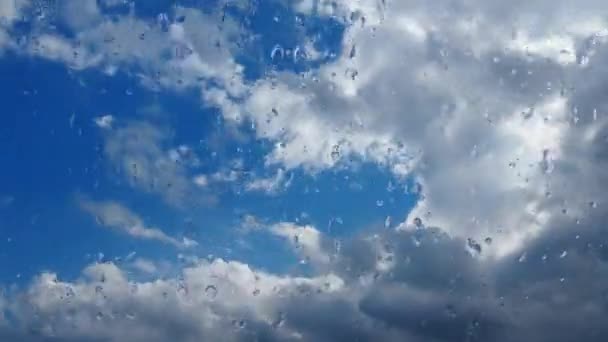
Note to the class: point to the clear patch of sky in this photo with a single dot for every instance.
(51, 150)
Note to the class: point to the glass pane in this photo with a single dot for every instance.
(303, 170)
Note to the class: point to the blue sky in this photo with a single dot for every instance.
(307, 170)
(53, 153)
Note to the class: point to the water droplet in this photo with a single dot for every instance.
(379, 203)
(488, 241)
(473, 245)
(450, 311)
(544, 257)
(418, 222)
(527, 113)
(416, 242)
(522, 258)
(277, 53)
(563, 255)
(335, 152)
(593, 204)
(387, 222)
(353, 52)
(256, 292)
(240, 324)
(351, 73)
(211, 291)
(279, 321)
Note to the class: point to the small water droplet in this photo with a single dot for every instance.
(279, 321)
(256, 292)
(379, 203)
(335, 152)
(450, 311)
(211, 291)
(277, 53)
(563, 254)
(522, 258)
(473, 245)
(387, 222)
(488, 241)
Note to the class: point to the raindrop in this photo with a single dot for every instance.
(99, 289)
(563, 255)
(544, 257)
(256, 292)
(527, 113)
(416, 242)
(277, 53)
(488, 241)
(163, 21)
(522, 258)
(99, 315)
(387, 222)
(211, 291)
(379, 203)
(335, 152)
(593, 204)
(418, 222)
(547, 163)
(240, 324)
(279, 321)
(351, 73)
(353, 52)
(474, 245)
(450, 311)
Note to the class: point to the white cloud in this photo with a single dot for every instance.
(138, 150)
(442, 103)
(305, 240)
(271, 185)
(114, 215)
(144, 265)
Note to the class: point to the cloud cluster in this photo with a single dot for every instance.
(391, 286)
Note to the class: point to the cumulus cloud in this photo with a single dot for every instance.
(392, 286)
(475, 101)
(114, 215)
